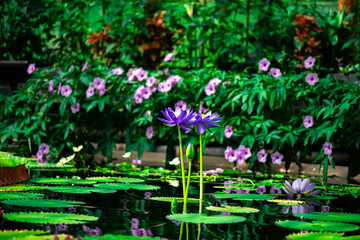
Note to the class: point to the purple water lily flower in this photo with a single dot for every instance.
(300, 188)
(311, 78)
(275, 72)
(309, 62)
(66, 90)
(261, 156)
(51, 86)
(149, 132)
(228, 131)
(327, 148)
(202, 121)
(75, 108)
(31, 68)
(308, 121)
(264, 64)
(168, 57)
(179, 116)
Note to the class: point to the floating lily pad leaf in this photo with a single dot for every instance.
(21, 234)
(319, 226)
(128, 180)
(62, 181)
(233, 209)
(315, 236)
(202, 218)
(80, 190)
(32, 164)
(51, 203)
(20, 195)
(21, 187)
(178, 199)
(331, 216)
(49, 217)
(117, 237)
(127, 186)
(101, 179)
(247, 197)
(286, 202)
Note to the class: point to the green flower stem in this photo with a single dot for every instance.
(199, 231)
(249, 180)
(181, 230)
(201, 178)
(182, 171)
(188, 182)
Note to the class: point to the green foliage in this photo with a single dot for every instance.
(330, 216)
(20, 195)
(21, 187)
(202, 218)
(127, 186)
(80, 190)
(49, 217)
(315, 236)
(233, 209)
(170, 199)
(9, 160)
(43, 203)
(21, 234)
(318, 226)
(247, 197)
(62, 181)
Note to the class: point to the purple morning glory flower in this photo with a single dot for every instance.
(118, 71)
(164, 86)
(210, 89)
(309, 62)
(150, 81)
(168, 57)
(274, 190)
(173, 79)
(85, 228)
(300, 188)
(261, 156)
(327, 148)
(135, 223)
(62, 227)
(311, 78)
(215, 82)
(39, 155)
(140, 74)
(90, 92)
(66, 90)
(31, 68)
(275, 72)
(146, 92)
(202, 121)
(75, 108)
(147, 195)
(51, 86)
(227, 83)
(180, 104)
(202, 109)
(98, 83)
(149, 132)
(264, 64)
(228, 131)
(308, 121)
(325, 208)
(179, 116)
(261, 189)
(44, 148)
(85, 67)
(59, 89)
(276, 158)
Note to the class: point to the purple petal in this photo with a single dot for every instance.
(304, 185)
(185, 127)
(201, 127)
(316, 192)
(288, 187)
(309, 188)
(166, 121)
(285, 190)
(296, 185)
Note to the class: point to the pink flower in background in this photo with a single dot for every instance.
(261, 156)
(168, 57)
(131, 77)
(308, 121)
(149, 132)
(275, 72)
(75, 108)
(66, 90)
(140, 74)
(241, 191)
(59, 89)
(164, 87)
(51, 86)
(150, 81)
(311, 78)
(180, 104)
(274, 190)
(102, 90)
(98, 83)
(327, 148)
(147, 195)
(228, 131)
(90, 92)
(136, 162)
(261, 189)
(118, 71)
(39, 155)
(85, 67)
(309, 62)
(173, 79)
(146, 92)
(70, 68)
(202, 109)
(166, 72)
(276, 158)
(219, 170)
(44, 148)
(215, 82)
(31, 68)
(148, 113)
(264, 64)
(210, 89)
(227, 152)
(138, 97)
(325, 208)
(227, 83)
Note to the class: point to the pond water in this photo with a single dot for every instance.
(131, 212)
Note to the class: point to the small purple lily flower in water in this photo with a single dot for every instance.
(327, 148)
(261, 156)
(275, 72)
(202, 121)
(309, 62)
(276, 157)
(66, 90)
(308, 121)
(168, 57)
(75, 108)
(51, 86)
(149, 132)
(311, 78)
(228, 131)
(300, 188)
(179, 116)
(264, 64)
(31, 68)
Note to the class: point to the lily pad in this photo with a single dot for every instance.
(62, 181)
(21, 187)
(122, 237)
(101, 179)
(202, 218)
(178, 199)
(233, 209)
(127, 186)
(128, 180)
(286, 202)
(331, 216)
(49, 217)
(315, 236)
(21, 234)
(20, 195)
(319, 226)
(247, 197)
(80, 190)
(50, 203)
